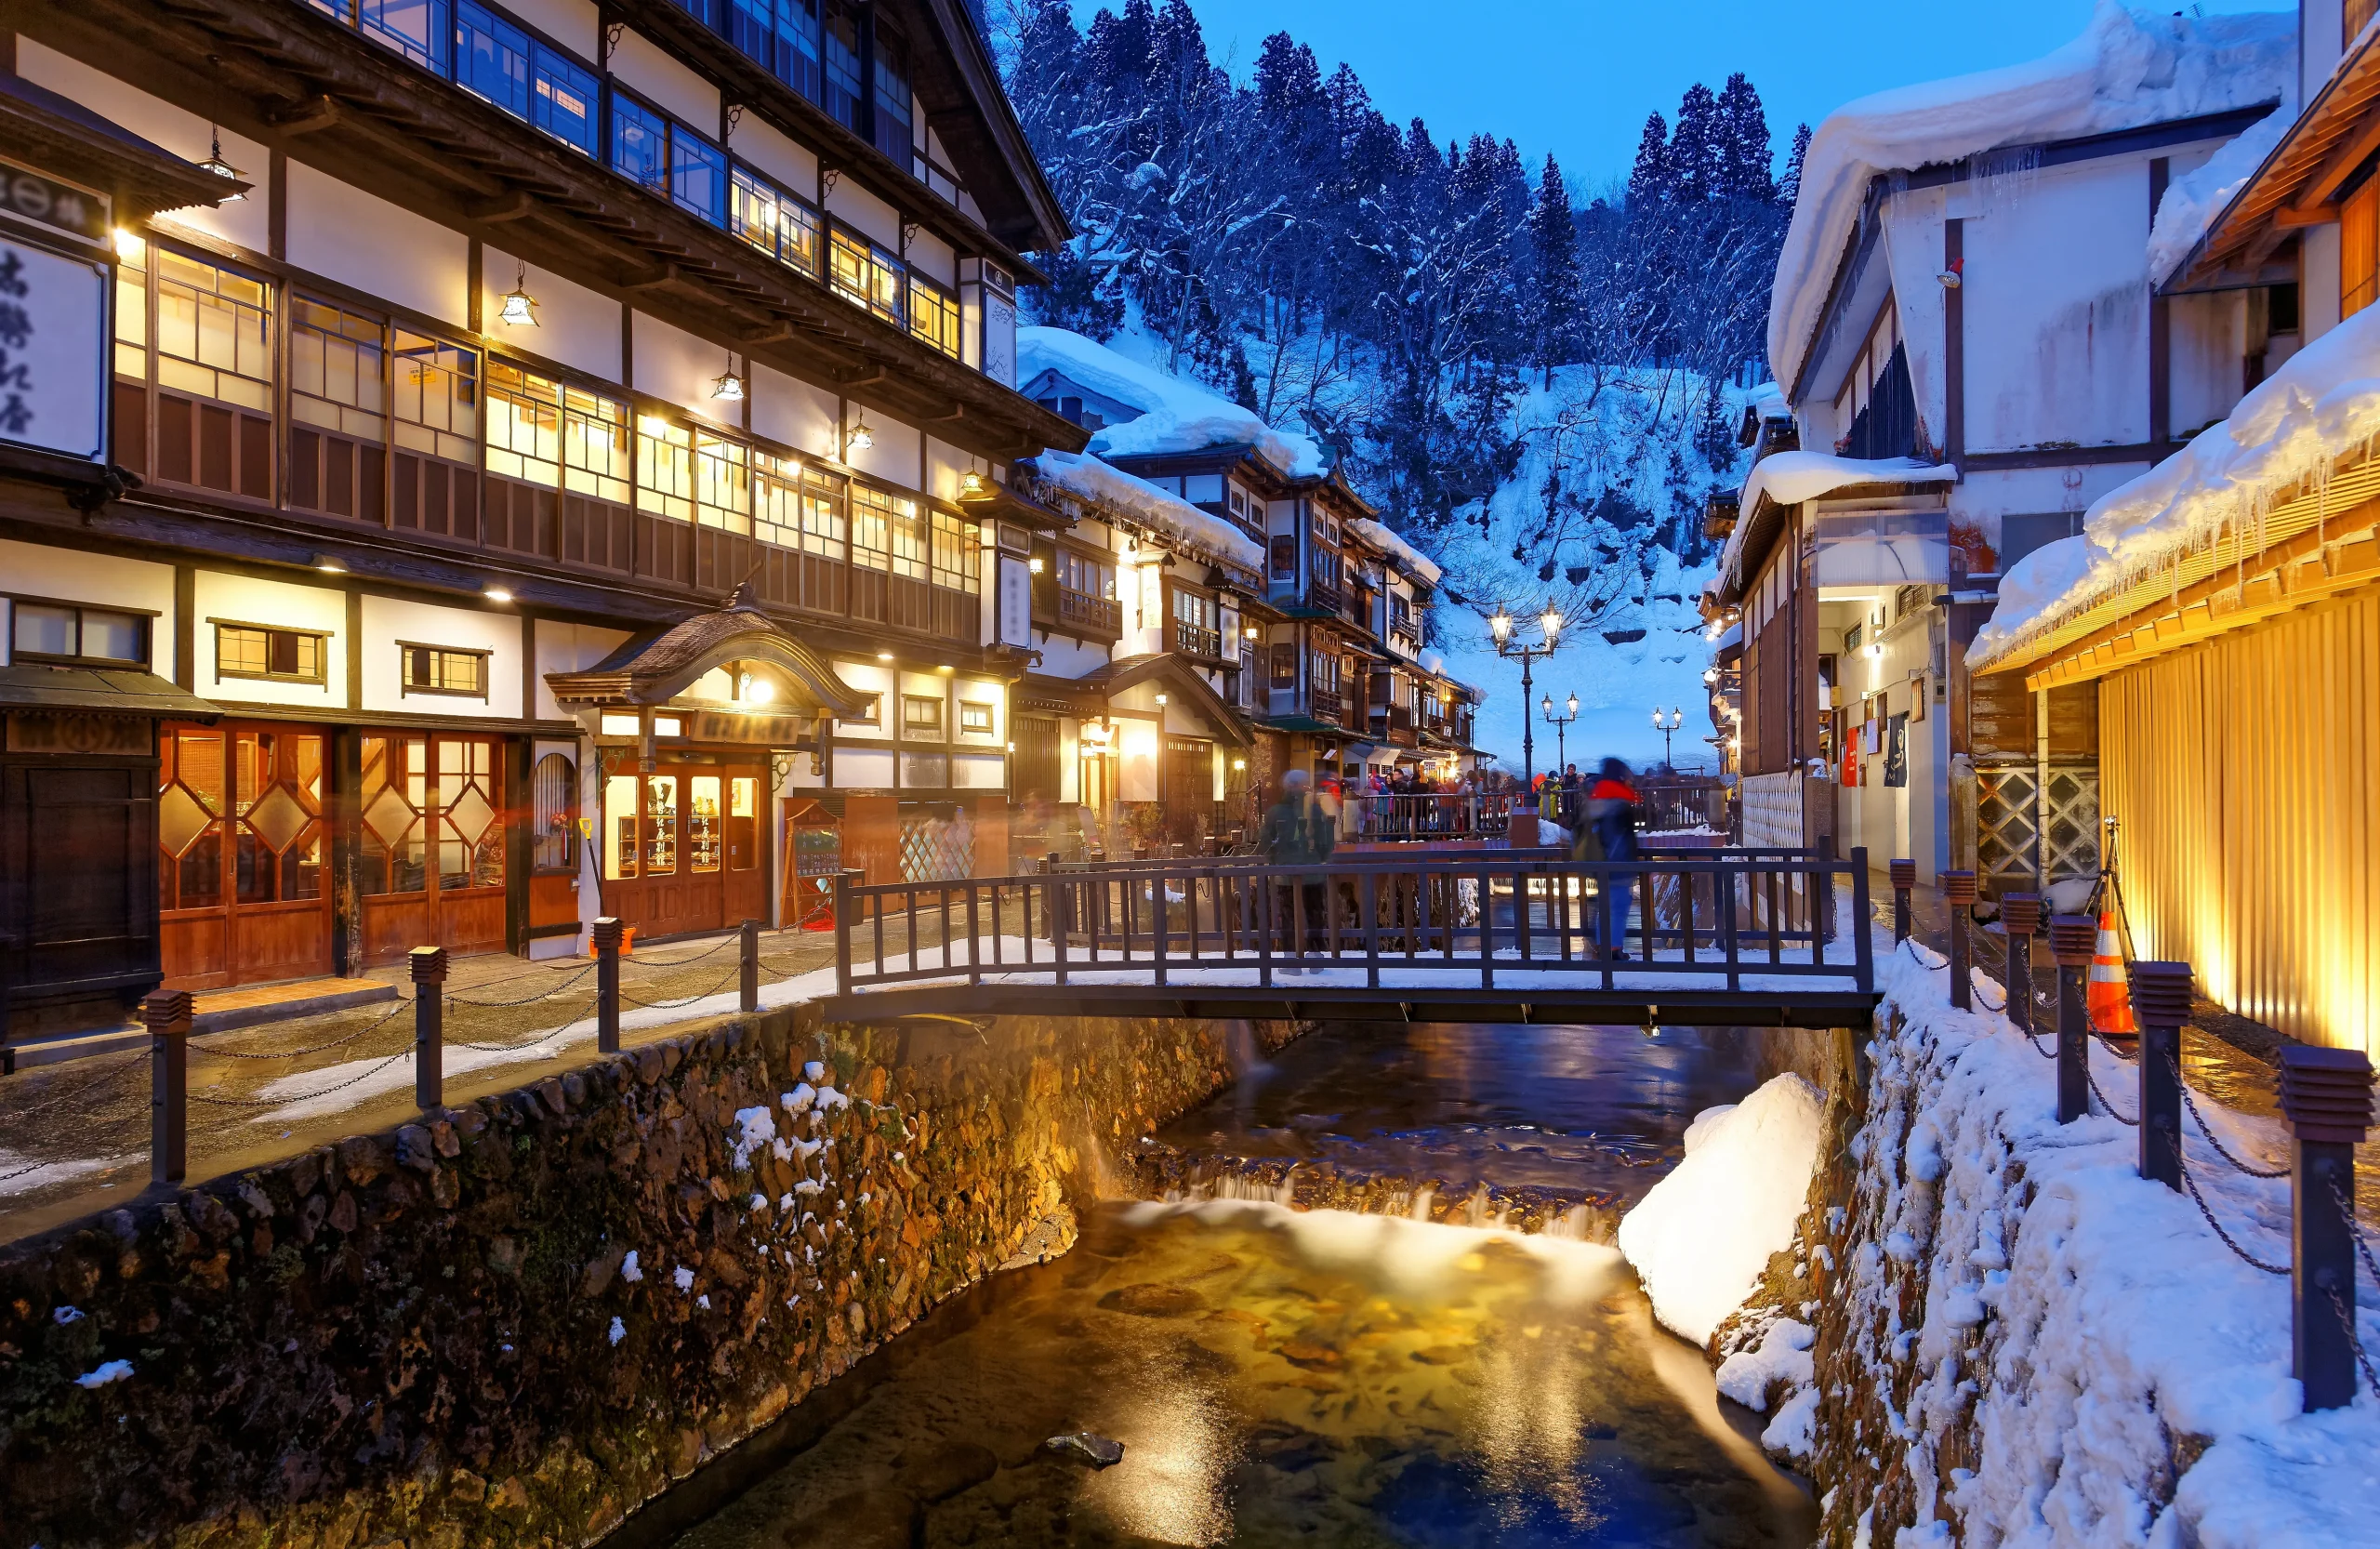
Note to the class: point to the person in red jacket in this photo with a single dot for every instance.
(1612, 812)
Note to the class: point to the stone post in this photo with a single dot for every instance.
(2160, 1003)
(2326, 1096)
(2020, 914)
(606, 935)
(166, 1012)
(2071, 939)
(747, 977)
(1904, 876)
(428, 965)
(1958, 892)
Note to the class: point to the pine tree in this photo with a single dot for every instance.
(1744, 153)
(1695, 149)
(1788, 188)
(1651, 180)
(1554, 244)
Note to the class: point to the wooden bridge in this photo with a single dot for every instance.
(1718, 937)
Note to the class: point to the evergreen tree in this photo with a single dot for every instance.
(1650, 181)
(1554, 244)
(1744, 158)
(1697, 155)
(1788, 188)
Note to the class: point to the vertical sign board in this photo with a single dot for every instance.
(54, 298)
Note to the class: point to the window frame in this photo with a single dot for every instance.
(147, 619)
(406, 687)
(938, 730)
(319, 679)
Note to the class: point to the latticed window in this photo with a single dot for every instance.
(336, 360)
(554, 792)
(665, 469)
(885, 533)
(777, 223)
(776, 500)
(934, 315)
(547, 432)
(436, 389)
(957, 553)
(256, 651)
(866, 275)
(723, 482)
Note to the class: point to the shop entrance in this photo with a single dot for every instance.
(239, 842)
(681, 847)
(431, 862)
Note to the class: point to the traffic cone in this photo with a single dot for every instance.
(2109, 997)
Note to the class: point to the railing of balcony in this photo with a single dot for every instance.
(1327, 706)
(1197, 639)
(1080, 610)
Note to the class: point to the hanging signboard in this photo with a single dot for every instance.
(53, 315)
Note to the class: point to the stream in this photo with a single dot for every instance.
(1278, 1377)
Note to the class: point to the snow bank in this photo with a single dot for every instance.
(1176, 417)
(1414, 562)
(2128, 69)
(2194, 199)
(1093, 480)
(1702, 1237)
(2320, 407)
(2043, 1339)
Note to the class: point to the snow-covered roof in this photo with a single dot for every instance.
(1175, 416)
(2320, 407)
(1790, 478)
(1093, 480)
(2194, 199)
(1435, 665)
(2127, 68)
(1410, 559)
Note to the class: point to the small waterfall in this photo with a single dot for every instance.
(1423, 1197)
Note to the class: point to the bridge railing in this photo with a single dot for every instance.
(1709, 917)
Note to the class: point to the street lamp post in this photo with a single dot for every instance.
(1501, 625)
(1666, 725)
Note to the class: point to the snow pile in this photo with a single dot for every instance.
(2047, 1338)
(1411, 560)
(2321, 406)
(1790, 478)
(1093, 480)
(2194, 199)
(1176, 417)
(1703, 1235)
(2128, 69)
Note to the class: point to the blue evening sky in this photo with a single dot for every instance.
(1577, 77)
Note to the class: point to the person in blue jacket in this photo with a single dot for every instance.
(1612, 814)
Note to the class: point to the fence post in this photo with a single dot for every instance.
(1957, 891)
(166, 1012)
(428, 964)
(605, 934)
(2071, 939)
(2160, 1003)
(747, 978)
(2020, 915)
(1822, 895)
(843, 885)
(2326, 1096)
(1904, 875)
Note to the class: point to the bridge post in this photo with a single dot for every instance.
(2326, 1096)
(2160, 1003)
(606, 934)
(747, 969)
(2072, 938)
(2020, 913)
(844, 880)
(428, 965)
(1822, 896)
(1904, 874)
(167, 1014)
(1957, 891)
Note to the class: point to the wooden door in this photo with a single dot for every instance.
(745, 884)
(240, 840)
(681, 848)
(431, 856)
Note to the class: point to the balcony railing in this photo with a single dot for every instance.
(1329, 706)
(1098, 616)
(1322, 597)
(1197, 639)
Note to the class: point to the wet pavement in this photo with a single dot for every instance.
(1285, 1378)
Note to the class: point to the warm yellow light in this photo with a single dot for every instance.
(727, 386)
(129, 246)
(1160, 701)
(496, 593)
(859, 440)
(1033, 565)
(1501, 625)
(1550, 620)
(884, 655)
(971, 486)
(518, 308)
(1239, 763)
(760, 691)
(944, 667)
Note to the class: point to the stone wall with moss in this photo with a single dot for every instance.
(520, 1320)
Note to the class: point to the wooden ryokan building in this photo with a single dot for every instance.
(474, 467)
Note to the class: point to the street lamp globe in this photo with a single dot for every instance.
(1552, 621)
(1574, 703)
(1501, 625)
(1548, 703)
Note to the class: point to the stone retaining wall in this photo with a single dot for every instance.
(518, 1323)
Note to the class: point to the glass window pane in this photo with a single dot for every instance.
(45, 631)
(639, 145)
(114, 636)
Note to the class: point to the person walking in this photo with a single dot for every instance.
(1612, 819)
(1297, 831)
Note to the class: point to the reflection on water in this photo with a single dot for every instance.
(1581, 1109)
(1281, 1378)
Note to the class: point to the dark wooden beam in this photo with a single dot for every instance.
(303, 118)
(504, 207)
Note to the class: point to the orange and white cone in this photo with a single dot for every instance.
(2106, 994)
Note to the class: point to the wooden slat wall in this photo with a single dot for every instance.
(2241, 770)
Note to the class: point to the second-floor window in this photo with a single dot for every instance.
(444, 669)
(258, 650)
(934, 315)
(864, 274)
(920, 716)
(656, 152)
(885, 533)
(63, 634)
(892, 96)
(1080, 573)
(777, 223)
(545, 431)
(194, 371)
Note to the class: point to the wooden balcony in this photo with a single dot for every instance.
(1327, 706)
(1197, 639)
(1393, 725)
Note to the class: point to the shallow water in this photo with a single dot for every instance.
(1281, 1378)
(1584, 1109)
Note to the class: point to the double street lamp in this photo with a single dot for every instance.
(1668, 726)
(1501, 625)
(1561, 729)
